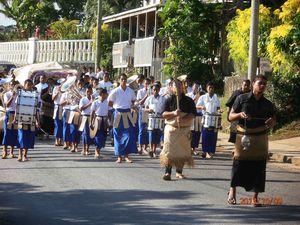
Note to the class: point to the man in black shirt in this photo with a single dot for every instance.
(176, 151)
(255, 115)
(244, 89)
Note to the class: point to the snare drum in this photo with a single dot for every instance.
(155, 122)
(211, 121)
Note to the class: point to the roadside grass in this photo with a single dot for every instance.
(289, 130)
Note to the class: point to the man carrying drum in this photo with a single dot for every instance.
(154, 105)
(210, 106)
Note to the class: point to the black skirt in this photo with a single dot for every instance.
(249, 174)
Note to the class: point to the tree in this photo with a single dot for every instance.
(71, 9)
(193, 30)
(64, 29)
(28, 14)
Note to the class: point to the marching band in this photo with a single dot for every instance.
(131, 112)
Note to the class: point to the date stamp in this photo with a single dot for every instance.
(277, 200)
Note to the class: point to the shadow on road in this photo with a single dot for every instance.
(23, 204)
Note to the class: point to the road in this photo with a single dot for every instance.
(56, 187)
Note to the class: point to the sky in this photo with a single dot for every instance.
(4, 21)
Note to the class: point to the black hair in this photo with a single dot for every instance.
(28, 81)
(260, 77)
(123, 75)
(210, 84)
(102, 91)
(247, 81)
(148, 79)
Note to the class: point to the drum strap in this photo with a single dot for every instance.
(57, 112)
(83, 122)
(74, 117)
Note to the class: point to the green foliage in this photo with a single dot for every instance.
(28, 14)
(71, 9)
(193, 30)
(64, 29)
(238, 36)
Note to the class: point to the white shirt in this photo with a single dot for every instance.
(122, 99)
(100, 108)
(84, 102)
(157, 104)
(58, 97)
(141, 94)
(6, 97)
(211, 103)
(106, 85)
(191, 95)
(189, 89)
(40, 87)
(64, 97)
(99, 75)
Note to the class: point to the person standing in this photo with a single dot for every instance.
(57, 115)
(244, 89)
(209, 103)
(10, 136)
(176, 151)
(26, 132)
(85, 104)
(197, 126)
(255, 115)
(121, 99)
(100, 111)
(105, 83)
(142, 95)
(155, 104)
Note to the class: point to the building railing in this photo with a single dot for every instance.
(36, 51)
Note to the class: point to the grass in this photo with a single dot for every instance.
(289, 130)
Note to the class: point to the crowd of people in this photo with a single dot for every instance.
(142, 115)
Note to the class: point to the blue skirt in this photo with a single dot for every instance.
(58, 126)
(10, 136)
(26, 138)
(124, 138)
(143, 138)
(195, 139)
(100, 137)
(75, 133)
(66, 128)
(86, 134)
(209, 140)
(155, 136)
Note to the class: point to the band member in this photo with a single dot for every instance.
(196, 127)
(244, 89)
(95, 83)
(105, 83)
(100, 111)
(209, 103)
(10, 136)
(42, 84)
(121, 99)
(66, 105)
(255, 115)
(85, 108)
(176, 151)
(155, 104)
(142, 95)
(57, 116)
(26, 133)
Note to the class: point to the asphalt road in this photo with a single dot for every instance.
(56, 187)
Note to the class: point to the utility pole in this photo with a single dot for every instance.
(98, 35)
(252, 66)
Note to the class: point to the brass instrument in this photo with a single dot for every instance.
(73, 92)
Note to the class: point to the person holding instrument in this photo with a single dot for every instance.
(255, 115)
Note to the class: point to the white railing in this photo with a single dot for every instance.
(33, 50)
(16, 52)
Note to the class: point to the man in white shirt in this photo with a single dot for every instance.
(42, 84)
(121, 99)
(10, 136)
(155, 104)
(105, 83)
(57, 116)
(142, 95)
(85, 104)
(209, 104)
(100, 110)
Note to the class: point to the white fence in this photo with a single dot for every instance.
(33, 50)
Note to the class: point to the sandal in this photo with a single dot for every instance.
(118, 160)
(180, 176)
(19, 158)
(127, 160)
(4, 156)
(167, 177)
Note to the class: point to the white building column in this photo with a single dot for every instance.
(32, 50)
